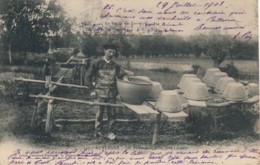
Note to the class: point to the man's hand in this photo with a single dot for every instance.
(93, 95)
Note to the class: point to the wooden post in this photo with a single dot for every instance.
(48, 125)
(81, 74)
(214, 118)
(40, 103)
(10, 54)
(52, 88)
(156, 128)
(34, 114)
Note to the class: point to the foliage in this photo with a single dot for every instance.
(218, 47)
(231, 70)
(125, 48)
(244, 50)
(90, 45)
(21, 25)
(59, 26)
(27, 25)
(198, 44)
(144, 46)
(35, 25)
(161, 45)
(215, 46)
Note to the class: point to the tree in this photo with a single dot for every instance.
(89, 45)
(144, 47)
(59, 26)
(198, 44)
(244, 49)
(28, 24)
(218, 47)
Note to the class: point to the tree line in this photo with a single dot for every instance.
(215, 46)
(39, 25)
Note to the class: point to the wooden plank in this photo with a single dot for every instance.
(136, 108)
(141, 109)
(62, 72)
(152, 104)
(78, 121)
(217, 105)
(197, 103)
(71, 85)
(29, 80)
(179, 116)
(55, 83)
(251, 100)
(77, 101)
(69, 63)
(149, 110)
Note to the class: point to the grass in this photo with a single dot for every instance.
(248, 69)
(247, 66)
(168, 79)
(21, 69)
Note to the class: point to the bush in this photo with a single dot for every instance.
(231, 70)
(61, 56)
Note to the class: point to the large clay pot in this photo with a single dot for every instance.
(208, 77)
(184, 77)
(235, 92)
(134, 91)
(141, 77)
(169, 101)
(188, 81)
(222, 84)
(197, 91)
(155, 91)
(252, 89)
(216, 78)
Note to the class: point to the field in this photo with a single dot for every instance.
(243, 65)
(17, 107)
(248, 69)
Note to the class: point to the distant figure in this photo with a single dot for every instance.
(105, 71)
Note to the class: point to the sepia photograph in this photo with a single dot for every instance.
(125, 82)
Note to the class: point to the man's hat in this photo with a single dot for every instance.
(110, 46)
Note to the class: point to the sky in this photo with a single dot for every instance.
(84, 10)
(77, 8)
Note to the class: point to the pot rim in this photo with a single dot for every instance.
(203, 99)
(129, 82)
(234, 99)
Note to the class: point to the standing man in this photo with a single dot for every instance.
(105, 71)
